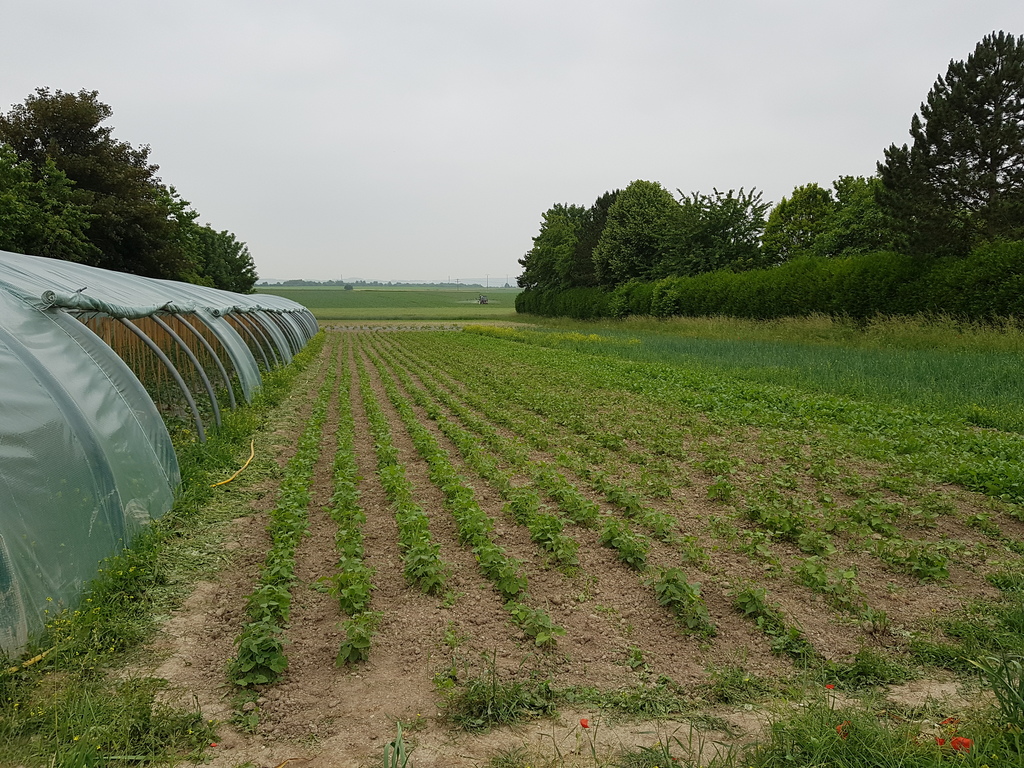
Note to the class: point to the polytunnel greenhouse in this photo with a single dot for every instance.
(95, 365)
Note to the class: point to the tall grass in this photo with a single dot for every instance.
(962, 370)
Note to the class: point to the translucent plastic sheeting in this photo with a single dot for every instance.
(85, 458)
(51, 282)
(85, 461)
(238, 351)
(123, 294)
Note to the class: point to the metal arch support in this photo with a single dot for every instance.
(265, 319)
(288, 329)
(310, 322)
(252, 338)
(173, 371)
(255, 326)
(277, 337)
(195, 362)
(216, 358)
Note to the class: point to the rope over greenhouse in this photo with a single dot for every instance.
(97, 366)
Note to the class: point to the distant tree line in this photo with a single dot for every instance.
(951, 196)
(70, 190)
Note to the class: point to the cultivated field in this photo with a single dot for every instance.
(507, 547)
(402, 303)
(468, 530)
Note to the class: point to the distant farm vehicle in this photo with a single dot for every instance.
(481, 299)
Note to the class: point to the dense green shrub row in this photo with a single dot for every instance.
(989, 283)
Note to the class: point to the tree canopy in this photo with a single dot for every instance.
(958, 186)
(961, 181)
(70, 190)
(549, 263)
(817, 222)
(796, 222)
(630, 246)
(706, 233)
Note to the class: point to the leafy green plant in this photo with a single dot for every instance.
(269, 603)
(536, 623)
(721, 489)
(753, 603)
(815, 543)
(351, 585)
(359, 632)
(576, 507)
(260, 658)
(631, 548)
(683, 598)
(546, 530)
(838, 585)
(246, 715)
(635, 658)
(924, 560)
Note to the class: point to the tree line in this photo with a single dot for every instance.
(958, 186)
(70, 190)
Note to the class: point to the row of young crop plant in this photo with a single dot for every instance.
(421, 557)
(807, 527)
(523, 503)
(792, 519)
(670, 585)
(473, 524)
(787, 518)
(986, 461)
(352, 582)
(261, 658)
(581, 455)
(479, 415)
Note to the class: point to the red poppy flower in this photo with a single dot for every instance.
(940, 741)
(830, 686)
(584, 722)
(960, 744)
(841, 729)
(950, 721)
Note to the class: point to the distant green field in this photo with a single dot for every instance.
(398, 303)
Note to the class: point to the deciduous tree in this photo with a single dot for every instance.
(706, 233)
(42, 216)
(796, 222)
(548, 264)
(631, 244)
(131, 222)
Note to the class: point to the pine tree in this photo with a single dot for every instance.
(962, 179)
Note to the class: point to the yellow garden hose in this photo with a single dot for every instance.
(252, 453)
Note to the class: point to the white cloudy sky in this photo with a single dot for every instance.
(422, 139)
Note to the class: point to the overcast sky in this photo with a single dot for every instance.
(422, 139)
